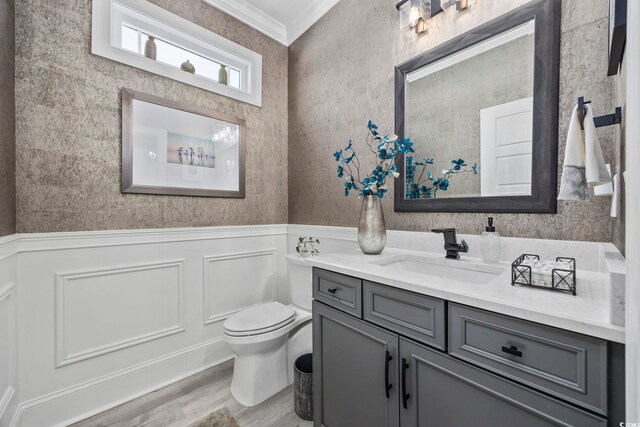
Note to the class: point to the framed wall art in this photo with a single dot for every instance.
(172, 148)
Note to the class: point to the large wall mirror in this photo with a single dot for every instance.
(482, 112)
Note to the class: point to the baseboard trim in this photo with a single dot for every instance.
(181, 364)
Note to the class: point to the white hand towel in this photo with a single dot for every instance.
(573, 185)
(614, 199)
(583, 160)
(596, 169)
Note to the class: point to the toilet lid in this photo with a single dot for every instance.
(259, 319)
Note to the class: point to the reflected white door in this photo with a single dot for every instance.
(505, 148)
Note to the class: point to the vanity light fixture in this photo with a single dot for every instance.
(414, 14)
(460, 5)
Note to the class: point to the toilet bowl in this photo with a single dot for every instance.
(267, 338)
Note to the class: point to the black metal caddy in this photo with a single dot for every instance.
(562, 280)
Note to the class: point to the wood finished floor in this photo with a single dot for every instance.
(189, 400)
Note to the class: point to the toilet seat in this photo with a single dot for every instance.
(258, 320)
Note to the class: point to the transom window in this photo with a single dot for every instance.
(183, 51)
(135, 40)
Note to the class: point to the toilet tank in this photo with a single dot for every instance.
(300, 283)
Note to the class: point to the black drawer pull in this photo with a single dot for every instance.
(405, 395)
(387, 358)
(513, 350)
(332, 290)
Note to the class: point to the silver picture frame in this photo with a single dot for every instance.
(129, 97)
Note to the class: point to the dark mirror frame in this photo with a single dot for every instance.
(544, 187)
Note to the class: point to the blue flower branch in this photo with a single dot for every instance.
(385, 148)
(426, 186)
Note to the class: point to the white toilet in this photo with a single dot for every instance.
(267, 339)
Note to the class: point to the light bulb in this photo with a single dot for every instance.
(420, 9)
(414, 14)
(403, 15)
(463, 4)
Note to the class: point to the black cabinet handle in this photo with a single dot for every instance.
(332, 290)
(387, 358)
(513, 350)
(405, 395)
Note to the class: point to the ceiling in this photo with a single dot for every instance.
(282, 20)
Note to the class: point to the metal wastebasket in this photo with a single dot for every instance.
(303, 386)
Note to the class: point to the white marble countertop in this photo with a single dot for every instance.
(587, 313)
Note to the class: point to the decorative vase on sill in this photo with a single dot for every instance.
(188, 67)
(223, 76)
(372, 234)
(150, 48)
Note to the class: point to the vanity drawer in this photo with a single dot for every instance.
(562, 363)
(413, 315)
(337, 290)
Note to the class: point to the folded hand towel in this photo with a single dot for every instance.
(583, 160)
(604, 190)
(596, 169)
(614, 199)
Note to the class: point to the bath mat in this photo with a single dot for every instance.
(220, 418)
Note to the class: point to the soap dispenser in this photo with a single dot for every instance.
(490, 243)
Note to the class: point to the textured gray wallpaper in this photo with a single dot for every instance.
(68, 127)
(7, 120)
(341, 75)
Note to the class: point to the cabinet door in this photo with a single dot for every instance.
(355, 371)
(438, 390)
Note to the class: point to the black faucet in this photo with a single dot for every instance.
(451, 244)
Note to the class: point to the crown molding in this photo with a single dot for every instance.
(282, 32)
(253, 17)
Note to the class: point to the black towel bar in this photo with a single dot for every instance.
(600, 121)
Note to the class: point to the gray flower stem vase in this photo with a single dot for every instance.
(372, 233)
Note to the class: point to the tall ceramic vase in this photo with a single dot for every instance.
(372, 233)
(223, 75)
(150, 48)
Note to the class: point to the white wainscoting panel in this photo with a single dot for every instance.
(104, 317)
(100, 311)
(8, 348)
(236, 281)
(9, 385)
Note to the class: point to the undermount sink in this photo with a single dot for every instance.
(462, 271)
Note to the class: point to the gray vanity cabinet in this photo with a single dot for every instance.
(354, 371)
(395, 358)
(438, 390)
